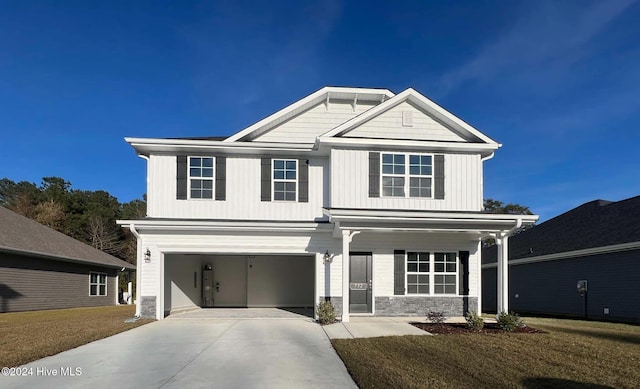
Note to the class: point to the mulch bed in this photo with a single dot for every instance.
(459, 328)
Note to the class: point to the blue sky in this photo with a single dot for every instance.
(556, 82)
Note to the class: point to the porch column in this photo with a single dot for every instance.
(502, 240)
(346, 239)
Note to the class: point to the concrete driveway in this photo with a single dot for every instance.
(197, 353)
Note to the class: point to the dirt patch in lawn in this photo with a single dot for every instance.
(459, 328)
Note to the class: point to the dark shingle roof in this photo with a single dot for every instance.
(21, 234)
(594, 224)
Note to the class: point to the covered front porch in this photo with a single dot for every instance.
(450, 238)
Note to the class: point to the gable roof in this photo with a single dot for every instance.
(20, 234)
(324, 94)
(595, 224)
(410, 95)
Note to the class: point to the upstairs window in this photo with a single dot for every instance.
(285, 179)
(201, 177)
(398, 181)
(97, 284)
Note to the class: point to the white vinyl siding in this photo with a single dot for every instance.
(350, 184)
(388, 125)
(243, 193)
(305, 127)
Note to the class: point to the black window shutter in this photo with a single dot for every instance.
(303, 181)
(181, 177)
(265, 179)
(374, 174)
(398, 272)
(221, 178)
(464, 273)
(438, 168)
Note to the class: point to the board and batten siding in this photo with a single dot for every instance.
(389, 124)
(314, 122)
(33, 283)
(242, 193)
(350, 184)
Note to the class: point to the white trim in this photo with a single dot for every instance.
(98, 284)
(570, 254)
(284, 180)
(484, 149)
(212, 178)
(317, 97)
(456, 124)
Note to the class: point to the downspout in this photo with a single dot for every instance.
(135, 233)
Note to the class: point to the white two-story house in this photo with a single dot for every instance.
(359, 196)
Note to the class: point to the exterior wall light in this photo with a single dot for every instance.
(147, 256)
(327, 257)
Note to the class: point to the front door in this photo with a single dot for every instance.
(360, 283)
(230, 275)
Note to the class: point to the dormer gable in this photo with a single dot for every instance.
(312, 116)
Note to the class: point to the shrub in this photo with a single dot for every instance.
(436, 317)
(326, 313)
(509, 321)
(474, 321)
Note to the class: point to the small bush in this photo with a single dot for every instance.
(509, 321)
(326, 313)
(474, 321)
(436, 317)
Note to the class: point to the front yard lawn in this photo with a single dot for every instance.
(27, 336)
(573, 354)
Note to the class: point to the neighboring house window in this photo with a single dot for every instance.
(200, 177)
(432, 273)
(97, 284)
(285, 180)
(445, 273)
(417, 273)
(397, 181)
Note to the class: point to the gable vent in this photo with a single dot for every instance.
(407, 119)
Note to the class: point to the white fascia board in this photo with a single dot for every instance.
(312, 99)
(145, 146)
(396, 144)
(197, 225)
(430, 215)
(424, 103)
(571, 254)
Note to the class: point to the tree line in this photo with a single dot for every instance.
(88, 216)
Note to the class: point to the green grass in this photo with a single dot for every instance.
(27, 336)
(574, 354)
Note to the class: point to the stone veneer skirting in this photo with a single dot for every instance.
(416, 306)
(148, 306)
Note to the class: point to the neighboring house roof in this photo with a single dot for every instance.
(22, 235)
(595, 224)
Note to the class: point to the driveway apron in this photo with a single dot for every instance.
(197, 353)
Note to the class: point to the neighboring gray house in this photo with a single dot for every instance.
(41, 268)
(597, 242)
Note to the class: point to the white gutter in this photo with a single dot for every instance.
(137, 300)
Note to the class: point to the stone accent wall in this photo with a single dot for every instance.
(337, 303)
(148, 306)
(421, 305)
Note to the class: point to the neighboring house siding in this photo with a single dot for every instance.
(243, 200)
(314, 122)
(350, 184)
(389, 124)
(28, 283)
(550, 287)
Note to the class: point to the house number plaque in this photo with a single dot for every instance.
(358, 286)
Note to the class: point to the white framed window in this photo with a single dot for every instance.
(432, 273)
(398, 181)
(201, 177)
(418, 273)
(285, 179)
(97, 284)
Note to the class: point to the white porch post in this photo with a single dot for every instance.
(346, 238)
(502, 240)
